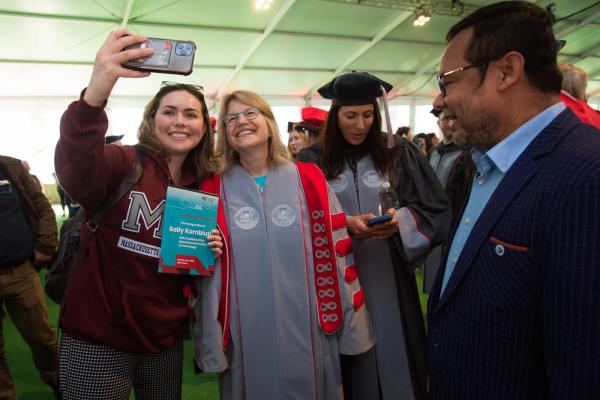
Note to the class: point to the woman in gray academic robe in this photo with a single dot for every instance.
(285, 322)
(356, 162)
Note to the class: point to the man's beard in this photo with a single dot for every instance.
(448, 135)
(459, 137)
(476, 130)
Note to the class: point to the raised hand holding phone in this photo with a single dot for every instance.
(170, 56)
(108, 66)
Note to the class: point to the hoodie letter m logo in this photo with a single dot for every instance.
(139, 207)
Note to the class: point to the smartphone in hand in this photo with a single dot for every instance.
(170, 56)
(379, 220)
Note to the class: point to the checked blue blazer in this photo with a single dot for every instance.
(520, 317)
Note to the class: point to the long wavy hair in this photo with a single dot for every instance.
(202, 155)
(228, 156)
(332, 153)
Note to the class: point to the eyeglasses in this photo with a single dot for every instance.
(195, 87)
(448, 118)
(232, 119)
(441, 77)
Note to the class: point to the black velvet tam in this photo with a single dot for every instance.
(354, 89)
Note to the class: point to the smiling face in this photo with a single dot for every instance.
(296, 142)
(246, 135)
(355, 122)
(468, 97)
(178, 123)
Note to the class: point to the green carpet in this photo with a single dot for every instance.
(30, 387)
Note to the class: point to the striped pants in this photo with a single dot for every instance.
(93, 372)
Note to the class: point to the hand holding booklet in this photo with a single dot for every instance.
(189, 218)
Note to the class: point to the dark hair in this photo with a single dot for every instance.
(426, 138)
(332, 156)
(403, 130)
(513, 26)
(202, 155)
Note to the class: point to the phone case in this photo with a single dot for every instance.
(170, 56)
(379, 220)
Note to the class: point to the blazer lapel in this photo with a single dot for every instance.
(524, 169)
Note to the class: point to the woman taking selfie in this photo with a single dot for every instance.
(122, 322)
(353, 155)
(285, 300)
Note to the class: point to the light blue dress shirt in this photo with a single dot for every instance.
(491, 168)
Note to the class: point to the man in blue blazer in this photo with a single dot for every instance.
(515, 309)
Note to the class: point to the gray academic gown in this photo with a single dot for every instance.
(277, 348)
(376, 270)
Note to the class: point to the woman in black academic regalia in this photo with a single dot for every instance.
(356, 161)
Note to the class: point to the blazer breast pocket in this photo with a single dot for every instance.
(505, 275)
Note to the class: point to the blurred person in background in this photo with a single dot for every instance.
(28, 239)
(313, 119)
(455, 169)
(573, 94)
(423, 143)
(307, 131)
(405, 131)
(297, 140)
(434, 140)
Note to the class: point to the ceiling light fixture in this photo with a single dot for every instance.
(263, 4)
(421, 17)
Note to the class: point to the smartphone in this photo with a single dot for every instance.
(170, 56)
(379, 220)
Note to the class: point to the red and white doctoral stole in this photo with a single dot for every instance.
(322, 223)
(212, 185)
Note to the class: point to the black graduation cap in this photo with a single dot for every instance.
(311, 130)
(112, 138)
(354, 89)
(290, 127)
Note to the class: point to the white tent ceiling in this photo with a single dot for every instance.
(48, 46)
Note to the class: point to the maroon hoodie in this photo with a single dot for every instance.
(116, 296)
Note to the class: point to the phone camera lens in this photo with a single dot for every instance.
(184, 49)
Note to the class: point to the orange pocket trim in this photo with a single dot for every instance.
(508, 245)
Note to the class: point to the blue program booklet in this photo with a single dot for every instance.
(189, 218)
